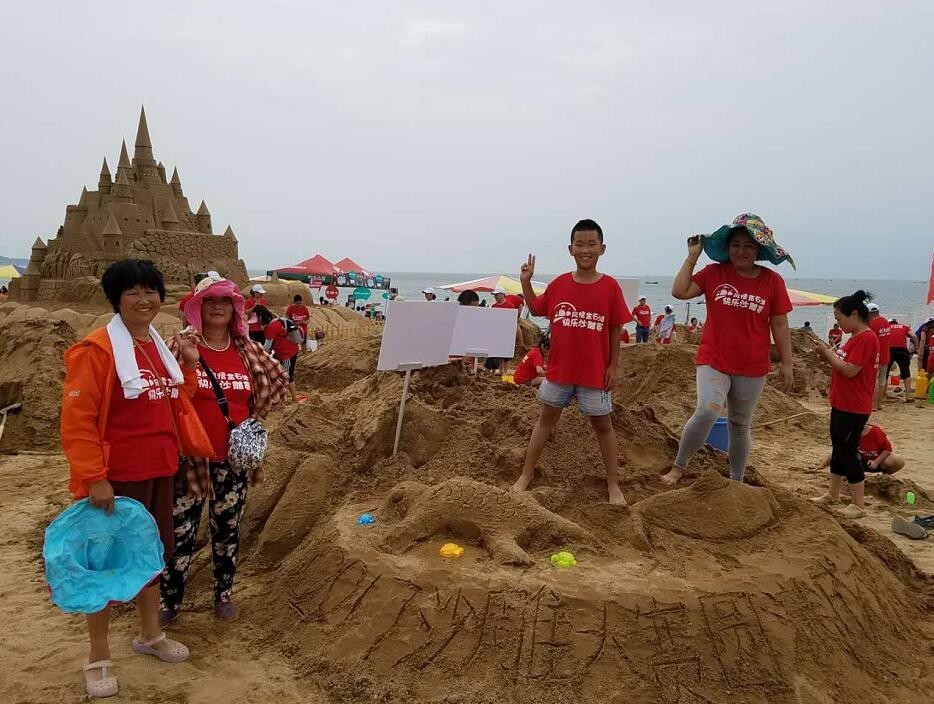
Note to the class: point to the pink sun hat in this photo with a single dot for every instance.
(216, 287)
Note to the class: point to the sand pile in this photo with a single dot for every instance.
(715, 592)
(663, 378)
(811, 369)
(32, 372)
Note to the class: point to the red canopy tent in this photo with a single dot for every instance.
(931, 283)
(316, 266)
(347, 265)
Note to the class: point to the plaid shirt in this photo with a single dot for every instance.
(270, 383)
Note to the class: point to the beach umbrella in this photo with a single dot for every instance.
(487, 284)
(806, 298)
(9, 272)
(347, 265)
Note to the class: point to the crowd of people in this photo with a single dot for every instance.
(165, 422)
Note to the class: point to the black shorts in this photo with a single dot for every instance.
(258, 336)
(845, 431)
(902, 357)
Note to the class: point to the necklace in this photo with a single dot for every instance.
(216, 349)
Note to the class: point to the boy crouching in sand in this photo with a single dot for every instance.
(875, 452)
(586, 310)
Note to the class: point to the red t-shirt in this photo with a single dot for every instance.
(882, 327)
(140, 441)
(854, 395)
(643, 315)
(581, 316)
(834, 336)
(873, 442)
(508, 302)
(300, 315)
(232, 377)
(252, 321)
(282, 346)
(526, 371)
(737, 336)
(898, 337)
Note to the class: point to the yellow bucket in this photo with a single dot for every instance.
(508, 379)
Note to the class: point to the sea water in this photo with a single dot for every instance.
(903, 300)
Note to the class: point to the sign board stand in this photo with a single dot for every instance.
(407, 368)
(415, 330)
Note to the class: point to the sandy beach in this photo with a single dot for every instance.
(710, 592)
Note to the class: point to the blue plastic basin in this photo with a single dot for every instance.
(719, 436)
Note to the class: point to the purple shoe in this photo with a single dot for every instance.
(226, 610)
(166, 616)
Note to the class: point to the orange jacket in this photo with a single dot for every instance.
(90, 376)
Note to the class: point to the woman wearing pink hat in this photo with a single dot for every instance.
(252, 382)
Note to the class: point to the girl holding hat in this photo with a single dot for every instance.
(747, 306)
(252, 383)
(126, 415)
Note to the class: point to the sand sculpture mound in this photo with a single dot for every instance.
(664, 379)
(812, 370)
(32, 373)
(698, 595)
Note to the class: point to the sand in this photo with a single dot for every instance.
(710, 592)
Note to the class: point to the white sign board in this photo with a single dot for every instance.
(417, 335)
(485, 332)
(630, 291)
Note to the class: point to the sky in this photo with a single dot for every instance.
(442, 136)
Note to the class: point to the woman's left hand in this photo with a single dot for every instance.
(786, 376)
(188, 349)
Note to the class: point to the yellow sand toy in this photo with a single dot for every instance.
(451, 550)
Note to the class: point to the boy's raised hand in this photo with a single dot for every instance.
(528, 269)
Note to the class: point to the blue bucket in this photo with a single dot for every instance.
(719, 436)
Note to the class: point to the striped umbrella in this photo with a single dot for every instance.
(488, 283)
(806, 298)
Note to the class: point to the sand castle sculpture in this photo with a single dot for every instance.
(139, 213)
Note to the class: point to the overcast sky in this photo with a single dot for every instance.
(432, 136)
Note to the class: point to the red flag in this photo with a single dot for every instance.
(931, 284)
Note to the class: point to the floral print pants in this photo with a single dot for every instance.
(225, 511)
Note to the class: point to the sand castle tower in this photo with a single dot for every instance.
(136, 212)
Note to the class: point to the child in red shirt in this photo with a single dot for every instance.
(586, 310)
(875, 452)
(299, 314)
(852, 383)
(531, 369)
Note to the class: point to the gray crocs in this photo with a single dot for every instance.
(912, 530)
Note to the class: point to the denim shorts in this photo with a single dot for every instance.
(590, 401)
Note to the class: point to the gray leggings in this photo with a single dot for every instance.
(739, 394)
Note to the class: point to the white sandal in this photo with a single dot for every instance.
(106, 686)
(176, 652)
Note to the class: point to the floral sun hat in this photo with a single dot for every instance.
(716, 244)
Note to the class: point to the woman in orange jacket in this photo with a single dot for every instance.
(126, 417)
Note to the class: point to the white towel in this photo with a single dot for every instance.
(125, 358)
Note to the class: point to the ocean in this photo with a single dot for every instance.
(903, 300)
